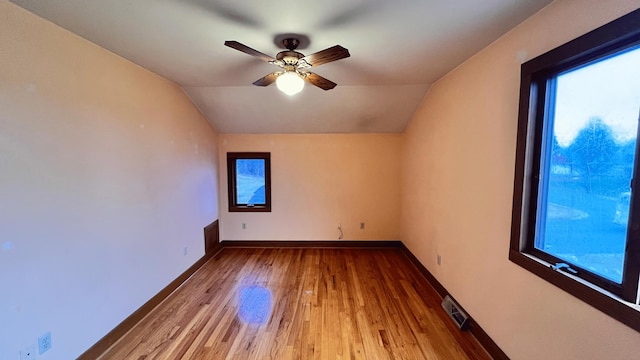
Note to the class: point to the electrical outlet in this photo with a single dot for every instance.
(361, 225)
(185, 250)
(439, 259)
(44, 342)
(28, 353)
(244, 226)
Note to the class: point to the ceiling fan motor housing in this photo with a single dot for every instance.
(289, 57)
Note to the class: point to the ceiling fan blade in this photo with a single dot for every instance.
(327, 55)
(319, 81)
(267, 80)
(247, 50)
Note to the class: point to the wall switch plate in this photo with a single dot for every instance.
(28, 353)
(44, 342)
(244, 226)
(185, 250)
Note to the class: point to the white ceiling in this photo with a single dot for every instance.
(398, 48)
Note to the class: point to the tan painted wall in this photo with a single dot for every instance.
(457, 184)
(319, 181)
(107, 172)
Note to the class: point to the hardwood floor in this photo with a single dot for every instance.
(300, 304)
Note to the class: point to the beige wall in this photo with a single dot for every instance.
(457, 187)
(107, 172)
(319, 181)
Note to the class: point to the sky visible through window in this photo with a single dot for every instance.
(609, 90)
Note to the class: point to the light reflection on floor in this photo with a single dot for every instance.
(254, 304)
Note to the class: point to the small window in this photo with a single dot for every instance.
(576, 216)
(249, 180)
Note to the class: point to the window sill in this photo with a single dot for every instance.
(249, 209)
(626, 312)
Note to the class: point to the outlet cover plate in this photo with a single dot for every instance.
(44, 343)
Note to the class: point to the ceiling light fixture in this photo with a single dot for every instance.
(290, 83)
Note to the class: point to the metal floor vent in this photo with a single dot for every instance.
(455, 313)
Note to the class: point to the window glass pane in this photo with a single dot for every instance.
(587, 165)
(250, 183)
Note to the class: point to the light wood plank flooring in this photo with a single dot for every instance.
(300, 304)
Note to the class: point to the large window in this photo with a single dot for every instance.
(249, 180)
(576, 214)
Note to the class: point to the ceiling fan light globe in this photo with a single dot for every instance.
(290, 83)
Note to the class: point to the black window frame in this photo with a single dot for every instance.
(536, 97)
(234, 206)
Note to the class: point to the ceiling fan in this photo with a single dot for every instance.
(295, 65)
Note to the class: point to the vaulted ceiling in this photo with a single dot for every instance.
(398, 49)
